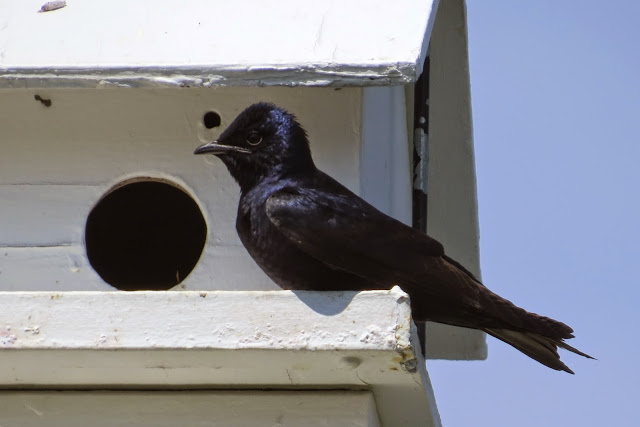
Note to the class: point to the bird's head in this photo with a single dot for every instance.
(263, 142)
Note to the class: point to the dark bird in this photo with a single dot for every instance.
(307, 231)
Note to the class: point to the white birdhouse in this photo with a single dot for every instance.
(101, 106)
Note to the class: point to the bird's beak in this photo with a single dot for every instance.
(215, 148)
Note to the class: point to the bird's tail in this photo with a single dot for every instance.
(539, 347)
(536, 336)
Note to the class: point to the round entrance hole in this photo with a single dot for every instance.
(145, 235)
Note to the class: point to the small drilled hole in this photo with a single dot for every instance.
(211, 120)
(145, 235)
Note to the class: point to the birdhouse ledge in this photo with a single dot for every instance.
(354, 342)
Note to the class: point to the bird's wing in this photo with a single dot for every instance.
(343, 231)
(347, 233)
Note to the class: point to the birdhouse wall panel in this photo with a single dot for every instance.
(227, 268)
(94, 136)
(45, 215)
(452, 209)
(385, 169)
(66, 268)
(452, 213)
(64, 151)
(48, 268)
(255, 408)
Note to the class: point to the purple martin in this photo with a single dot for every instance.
(308, 232)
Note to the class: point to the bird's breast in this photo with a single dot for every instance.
(287, 265)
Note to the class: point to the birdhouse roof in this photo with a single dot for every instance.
(93, 43)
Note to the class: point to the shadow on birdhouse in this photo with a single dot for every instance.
(145, 235)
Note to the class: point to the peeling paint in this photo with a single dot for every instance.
(368, 344)
(74, 262)
(6, 337)
(321, 74)
(32, 329)
(52, 5)
(410, 365)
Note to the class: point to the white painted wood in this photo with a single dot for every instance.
(452, 215)
(385, 169)
(219, 339)
(50, 268)
(66, 268)
(209, 43)
(99, 137)
(45, 214)
(433, 13)
(130, 320)
(179, 408)
(58, 161)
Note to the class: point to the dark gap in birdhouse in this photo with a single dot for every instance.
(145, 235)
(211, 120)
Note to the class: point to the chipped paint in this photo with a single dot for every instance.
(120, 320)
(320, 75)
(201, 338)
(52, 5)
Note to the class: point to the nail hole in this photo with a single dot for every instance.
(211, 120)
(44, 101)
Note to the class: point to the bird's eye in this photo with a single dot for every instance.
(254, 138)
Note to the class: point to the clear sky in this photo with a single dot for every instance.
(556, 105)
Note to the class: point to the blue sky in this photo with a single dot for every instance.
(556, 105)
